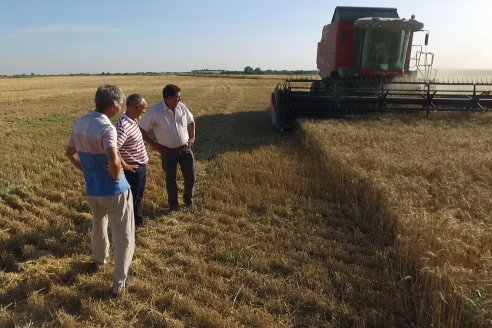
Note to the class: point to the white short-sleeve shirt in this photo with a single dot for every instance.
(170, 129)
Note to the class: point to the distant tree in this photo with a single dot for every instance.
(258, 70)
(248, 70)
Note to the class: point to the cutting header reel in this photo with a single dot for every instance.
(300, 97)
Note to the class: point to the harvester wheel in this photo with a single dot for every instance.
(276, 111)
(273, 106)
(315, 86)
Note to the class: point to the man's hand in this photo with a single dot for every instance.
(72, 155)
(155, 145)
(129, 167)
(114, 163)
(191, 142)
(160, 148)
(191, 134)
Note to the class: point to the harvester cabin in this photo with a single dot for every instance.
(363, 41)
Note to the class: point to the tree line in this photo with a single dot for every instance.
(247, 70)
(256, 71)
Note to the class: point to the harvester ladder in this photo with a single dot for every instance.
(423, 64)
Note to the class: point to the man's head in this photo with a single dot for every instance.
(172, 95)
(109, 99)
(135, 106)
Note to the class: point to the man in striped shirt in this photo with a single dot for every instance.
(132, 151)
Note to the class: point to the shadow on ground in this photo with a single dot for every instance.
(242, 131)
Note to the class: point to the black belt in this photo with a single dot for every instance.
(178, 148)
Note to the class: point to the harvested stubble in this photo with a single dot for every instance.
(272, 242)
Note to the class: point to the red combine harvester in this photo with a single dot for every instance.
(365, 64)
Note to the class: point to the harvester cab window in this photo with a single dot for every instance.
(384, 50)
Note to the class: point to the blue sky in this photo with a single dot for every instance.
(89, 36)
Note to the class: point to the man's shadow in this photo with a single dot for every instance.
(241, 131)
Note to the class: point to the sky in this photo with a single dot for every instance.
(118, 36)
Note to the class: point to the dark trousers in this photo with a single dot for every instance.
(137, 181)
(186, 161)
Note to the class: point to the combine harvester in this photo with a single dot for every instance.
(365, 65)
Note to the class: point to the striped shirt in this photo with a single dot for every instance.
(91, 135)
(130, 141)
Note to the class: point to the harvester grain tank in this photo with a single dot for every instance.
(367, 62)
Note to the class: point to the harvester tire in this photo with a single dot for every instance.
(315, 86)
(276, 112)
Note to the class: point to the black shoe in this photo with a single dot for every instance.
(146, 223)
(93, 267)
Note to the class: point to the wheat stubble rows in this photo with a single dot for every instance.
(270, 243)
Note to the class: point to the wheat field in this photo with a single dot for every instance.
(429, 178)
(362, 223)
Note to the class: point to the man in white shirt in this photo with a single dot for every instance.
(174, 129)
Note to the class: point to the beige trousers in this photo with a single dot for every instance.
(116, 210)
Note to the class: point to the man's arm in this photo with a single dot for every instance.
(191, 134)
(72, 155)
(120, 142)
(157, 146)
(114, 163)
